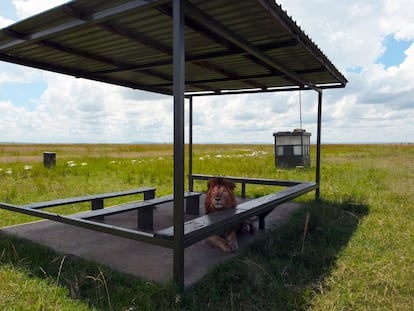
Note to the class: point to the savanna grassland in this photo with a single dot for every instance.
(351, 250)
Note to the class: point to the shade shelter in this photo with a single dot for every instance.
(183, 48)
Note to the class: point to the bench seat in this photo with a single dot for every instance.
(145, 209)
(95, 199)
(244, 181)
(204, 226)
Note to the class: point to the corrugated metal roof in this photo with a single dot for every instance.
(230, 45)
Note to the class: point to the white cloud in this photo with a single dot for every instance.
(376, 105)
(5, 22)
(26, 8)
(18, 74)
(397, 19)
(377, 101)
(346, 31)
(93, 111)
(77, 110)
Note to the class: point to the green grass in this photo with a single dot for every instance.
(352, 250)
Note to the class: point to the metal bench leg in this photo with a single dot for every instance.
(262, 222)
(97, 204)
(192, 205)
(149, 194)
(145, 218)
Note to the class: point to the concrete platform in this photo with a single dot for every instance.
(149, 262)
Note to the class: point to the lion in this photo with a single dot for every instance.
(220, 196)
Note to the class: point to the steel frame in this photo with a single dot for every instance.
(179, 95)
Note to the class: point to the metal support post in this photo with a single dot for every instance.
(190, 145)
(178, 89)
(318, 145)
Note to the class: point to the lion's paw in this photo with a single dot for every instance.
(233, 244)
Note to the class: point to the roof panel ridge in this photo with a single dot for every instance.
(296, 31)
(71, 10)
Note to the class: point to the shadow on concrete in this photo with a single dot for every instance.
(286, 267)
(136, 258)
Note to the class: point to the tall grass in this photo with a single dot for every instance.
(376, 269)
(352, 250)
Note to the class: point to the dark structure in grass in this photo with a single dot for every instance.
(184, 48)
(49, 159)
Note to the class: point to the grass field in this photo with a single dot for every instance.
(352, 250)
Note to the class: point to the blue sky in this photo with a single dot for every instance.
(394, 51)
(370, 42)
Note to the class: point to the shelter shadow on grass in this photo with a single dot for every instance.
(285, 268)
(94, 284)
(281, 270)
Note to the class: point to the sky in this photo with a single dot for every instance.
(371, 42)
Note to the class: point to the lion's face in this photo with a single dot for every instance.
(219, 195)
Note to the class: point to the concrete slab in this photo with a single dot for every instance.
(137, 258)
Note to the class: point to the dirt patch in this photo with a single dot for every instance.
(25, 159)
(12, 153)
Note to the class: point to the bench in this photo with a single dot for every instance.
(97, 200)
(243, 181)
(204, 226)
(145, 209)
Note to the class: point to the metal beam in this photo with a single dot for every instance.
(88, 224)
(198, 57)
(219, 40)
(190, 144)
(194, 12)
(83, 74)
(248, 91)
(290, 26)
(240, 78)
(87, 19)
(94, 56)
(178, 91)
